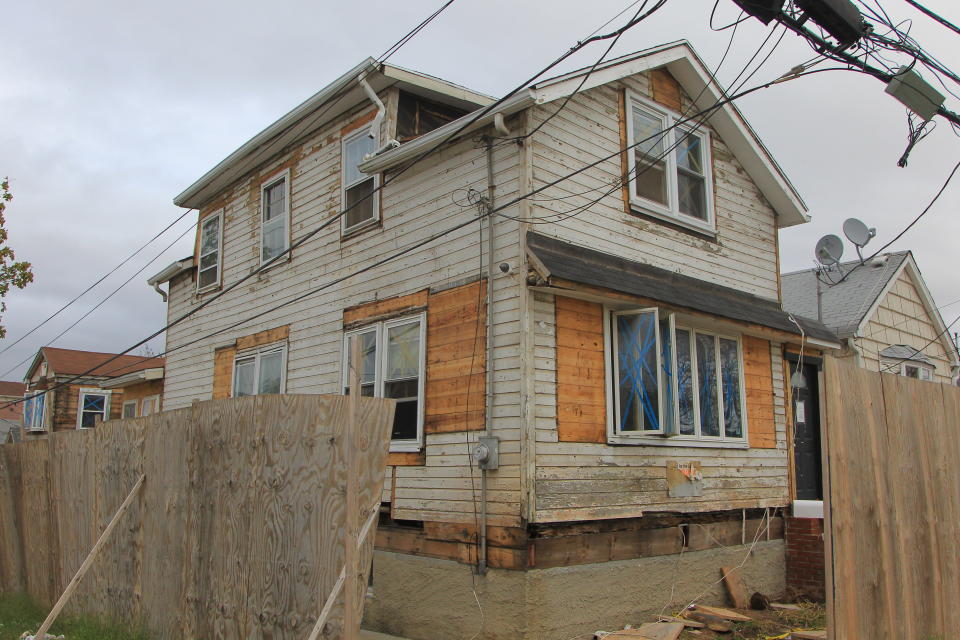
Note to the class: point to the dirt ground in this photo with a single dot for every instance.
(767, 624)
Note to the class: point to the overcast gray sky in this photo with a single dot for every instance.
(109, 109)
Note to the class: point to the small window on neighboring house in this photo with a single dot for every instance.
(93, 403)
(129, 409)
(669, 167)
(359, 198)
(275, 217)
(34, 406)
(908, 369)
(260, 371)
(670, 380)
(211, 235)
(149, 405)
(392, 365)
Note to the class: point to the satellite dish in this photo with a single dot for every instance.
(829, 249)
(857, 232)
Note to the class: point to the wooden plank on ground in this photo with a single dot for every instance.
(737, 591)
(726, 614)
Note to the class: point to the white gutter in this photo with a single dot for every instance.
(169, 274)
(518, 102)
(377, 119)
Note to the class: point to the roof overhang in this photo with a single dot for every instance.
(144, 375)
(337, 98)
(695, 78)
(171, 271)
(561, 262)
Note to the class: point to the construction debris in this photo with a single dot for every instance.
(780, 606)
(720, 612)
(712, 622)
(735, 587)
(759, 602)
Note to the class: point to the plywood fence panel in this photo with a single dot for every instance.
(894, 503)
(237, 531)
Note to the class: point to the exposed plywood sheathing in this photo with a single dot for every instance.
(581, 387)
(665, 90)
(758, 385)
(223, 372)
(383, 309)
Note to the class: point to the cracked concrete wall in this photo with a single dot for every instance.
(427, 598)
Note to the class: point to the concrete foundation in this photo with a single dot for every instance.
(427, 598)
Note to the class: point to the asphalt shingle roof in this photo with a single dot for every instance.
(844, 305)
(73, 362)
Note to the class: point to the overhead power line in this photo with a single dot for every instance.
(931, 14)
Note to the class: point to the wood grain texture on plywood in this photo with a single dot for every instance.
(581, 387)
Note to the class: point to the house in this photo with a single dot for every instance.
(70, 389)
(887, 320)
(883, 312)
(620, 351)
(11, 410)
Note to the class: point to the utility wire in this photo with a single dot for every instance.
(88, 289)
(899, 361)
(931, 14)
(413, 32)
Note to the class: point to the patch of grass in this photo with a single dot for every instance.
(812, 615)
(18, 613)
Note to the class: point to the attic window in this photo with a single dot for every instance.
(417, 116)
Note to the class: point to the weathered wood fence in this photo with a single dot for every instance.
(236, 533)
(893, 509)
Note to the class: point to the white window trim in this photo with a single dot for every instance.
(200, 254)
(658, 438)
(95, 392)
(257, 353)
(899, 367)
(43, 417)
(362, 131)
(136, 408)
(155, 406)
(285, 176)
(671, 213)
(380, 367)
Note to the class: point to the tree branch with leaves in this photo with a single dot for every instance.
(12, 273)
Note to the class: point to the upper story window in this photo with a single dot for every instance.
(34, 411)
(211, 237)
(669, 380)
(358, 195)
(392, 366)
(275, 217)
(669, 166)
(261, 370)
(93, 404)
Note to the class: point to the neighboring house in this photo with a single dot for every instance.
(632, 370)
(11, 410)
(883, 312)
(108, 387)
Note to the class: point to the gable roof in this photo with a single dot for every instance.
(694, 77)
(850, 305)
(329, 103)
(10, 388)
(71, 362)
(843, 307)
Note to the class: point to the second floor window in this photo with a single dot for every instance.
(359, 198)
(208, 273)
(669, 175)
(275, 217)
(260, 371)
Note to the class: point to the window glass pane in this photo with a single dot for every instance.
(243, 372)
(691, 194)
(666, 375)
(93, 402)
(28, 412)
(650, 179)
(353, 153)
(146, 407)
(685, 384)
(689, 153)
(274, 238)
(707, 384)
(38, 404)
(911, 372)
(210, 237)
(730, 374)
(130, 409)
(274, 205)
(637, 375)
(368, 358)
(92, 406)
(403, 351)
(271, 368)
(647, 133)
(358, 209)
(405, 421)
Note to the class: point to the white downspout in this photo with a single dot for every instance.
(381, 112)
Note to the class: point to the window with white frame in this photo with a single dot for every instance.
(93, 403)
(669, 166)
(391, 366)
(358, 195)
(274, 217)
(671, 380)
(211, 237)
(910, 369)
(34, 408)
(259, 371)
(129, 409)
(149, 405)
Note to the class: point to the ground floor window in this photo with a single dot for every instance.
(259, 371)
(93, 404)
(391, 366)
(129, 409)
(674, 380)
(34, 407)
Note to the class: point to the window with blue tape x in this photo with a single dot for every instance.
(674, 381)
